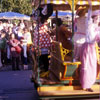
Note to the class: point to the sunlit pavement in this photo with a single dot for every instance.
(16, 85)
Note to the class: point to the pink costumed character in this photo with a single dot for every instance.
(88, 57)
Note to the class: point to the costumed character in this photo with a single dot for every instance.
(64, 36)
(41, 35)
(88, 57)
(80, 33)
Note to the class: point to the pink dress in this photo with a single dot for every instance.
(88, 70)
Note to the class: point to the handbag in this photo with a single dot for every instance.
(18, 49)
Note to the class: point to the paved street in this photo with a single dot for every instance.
(16, 85)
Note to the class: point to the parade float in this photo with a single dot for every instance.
(62, 79)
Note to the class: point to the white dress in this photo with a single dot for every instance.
(79, 36)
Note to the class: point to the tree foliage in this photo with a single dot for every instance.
(21, 6)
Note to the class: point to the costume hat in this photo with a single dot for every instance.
(81, 10)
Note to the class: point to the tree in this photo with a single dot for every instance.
(7, 5)
(21, 6)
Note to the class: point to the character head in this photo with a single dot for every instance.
(42, 13)
(81, 11)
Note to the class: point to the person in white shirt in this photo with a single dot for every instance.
(26, 40)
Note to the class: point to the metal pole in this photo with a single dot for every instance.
(56, 26)
(38, 54)
(72, 27)
(38, 50)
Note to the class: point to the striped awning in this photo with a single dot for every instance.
(77, 2)
(85, 2)
(95, 4)
(54, 2)
(57, 4)
(64, 4)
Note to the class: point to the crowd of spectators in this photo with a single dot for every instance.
(15, 38)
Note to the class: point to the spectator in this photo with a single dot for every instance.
(19, 33)
(1, 25)
(14, 46)
(3, 47)
(22, 24)
(26, 39)
(8, 33)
